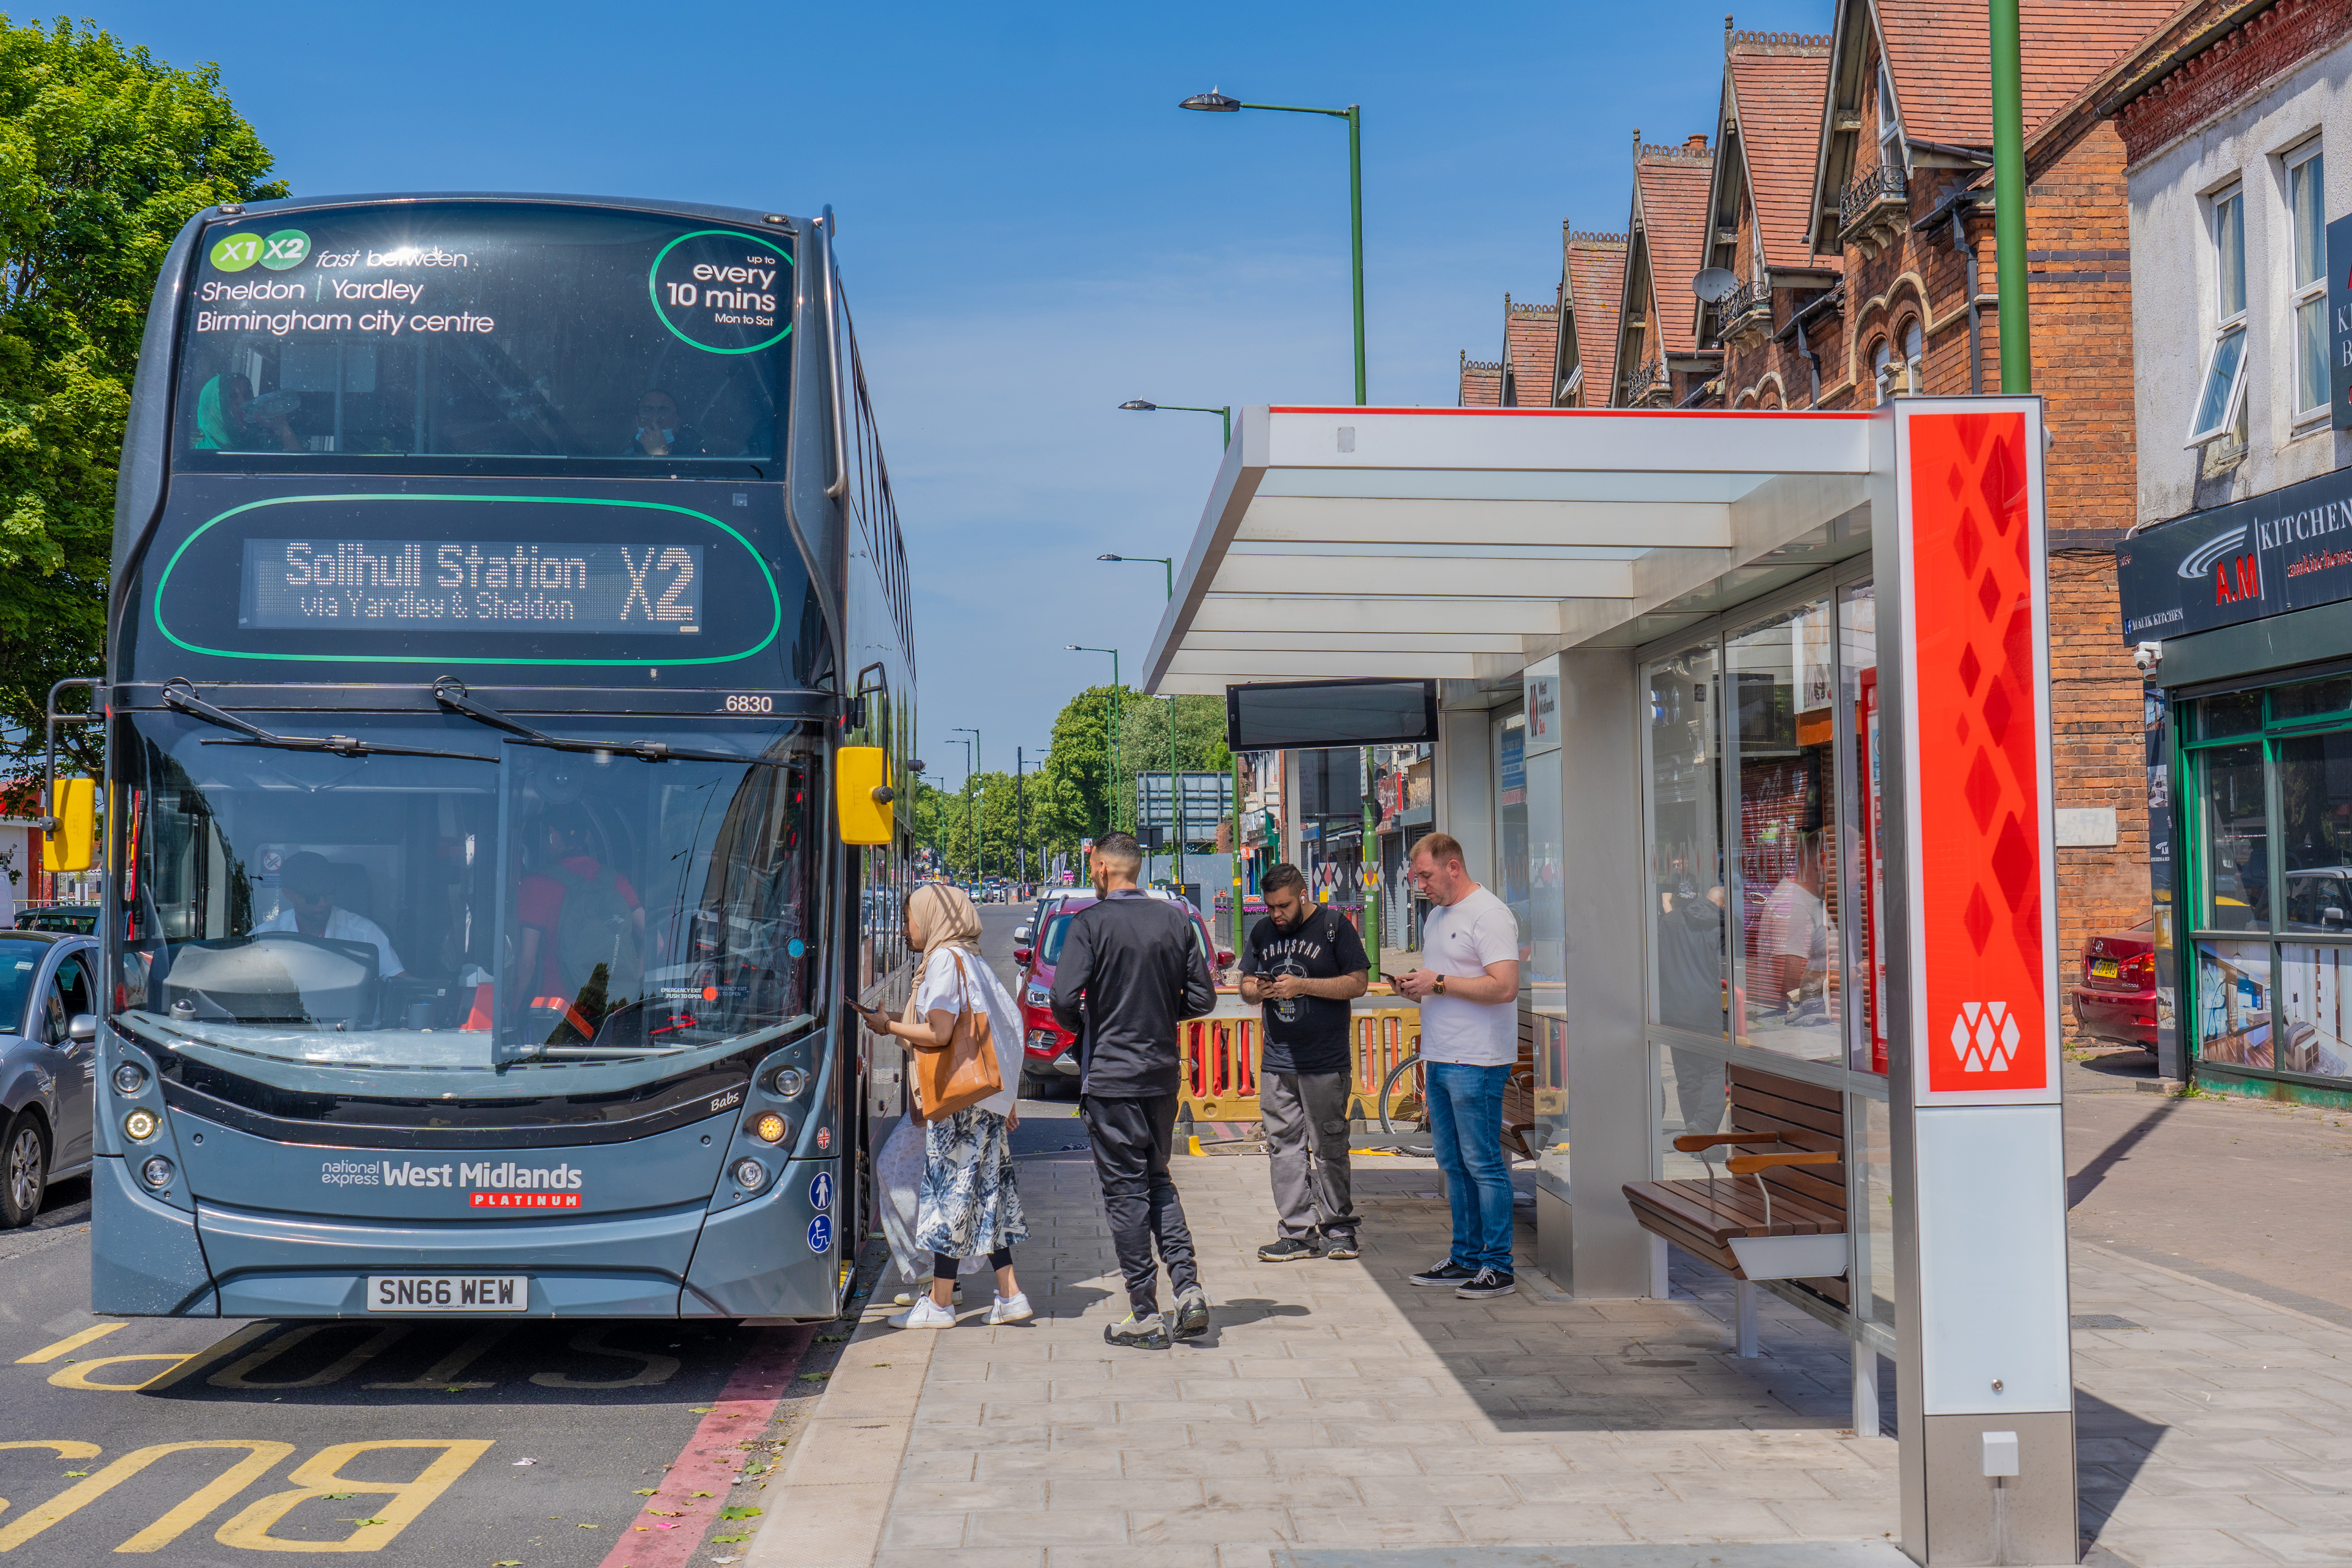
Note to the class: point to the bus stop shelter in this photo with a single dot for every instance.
(1746, 716)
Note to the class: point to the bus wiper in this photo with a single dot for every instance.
(181, 697)
(450, 692)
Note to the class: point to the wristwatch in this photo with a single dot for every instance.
(1439, 987)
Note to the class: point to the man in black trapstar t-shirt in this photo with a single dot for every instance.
(1303, 963)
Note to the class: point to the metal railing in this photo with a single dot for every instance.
(1884, 183)
(1645, 378)
(1744, 302)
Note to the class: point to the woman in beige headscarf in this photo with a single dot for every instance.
(968, 1205)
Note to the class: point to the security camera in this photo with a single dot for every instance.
(2147, 656)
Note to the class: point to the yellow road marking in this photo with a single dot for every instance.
(70, 1343)
(259, 1457)
(239, 1376)
(655, 1368)
(440, 1374)
(220, 1349)
(77, 1374)
(63, 1449)
(317, 1476)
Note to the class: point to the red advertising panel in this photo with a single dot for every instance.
(1984, 1002)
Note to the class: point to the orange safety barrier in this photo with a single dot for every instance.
(1220, 1076)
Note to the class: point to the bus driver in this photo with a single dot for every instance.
(308, 882)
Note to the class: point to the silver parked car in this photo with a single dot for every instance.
(48, 1059)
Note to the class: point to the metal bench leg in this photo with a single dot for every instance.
(1744, 1295)
(1866, 1389)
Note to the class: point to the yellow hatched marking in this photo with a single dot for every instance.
(318, 1476)
(63, 1449)
(70, 1343)
(259, 1456)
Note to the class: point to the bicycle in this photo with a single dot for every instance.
(1391, 1104)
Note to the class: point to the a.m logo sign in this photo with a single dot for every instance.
(2235, 582)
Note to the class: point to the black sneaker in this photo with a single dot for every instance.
(1340, 1244)
(1487, 1283)
(1191, 1313)
(1289, 1249)
(1141, 1331)
(1446, 1273)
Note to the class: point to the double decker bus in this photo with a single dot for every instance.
(509, 655)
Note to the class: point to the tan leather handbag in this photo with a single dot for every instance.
(963, 1072)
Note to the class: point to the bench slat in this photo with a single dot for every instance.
(1720, 1210)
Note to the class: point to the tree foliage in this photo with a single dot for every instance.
(105, 152)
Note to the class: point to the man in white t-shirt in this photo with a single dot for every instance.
(1469, 993)
(308, 882)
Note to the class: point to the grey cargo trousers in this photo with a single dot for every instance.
(1306, 1116)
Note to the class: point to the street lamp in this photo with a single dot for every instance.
(1021, 818)
(1110, 737)
(1166, 568)
(1138, 405)
(1175, 793)
(972, 797)
(1215, 102)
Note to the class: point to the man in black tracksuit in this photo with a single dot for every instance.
(1135, 963)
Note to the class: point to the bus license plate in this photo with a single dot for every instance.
(448, 1293)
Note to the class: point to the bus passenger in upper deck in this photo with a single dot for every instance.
(578, 917)
(308, 882)
(229, 418)
(658, 433)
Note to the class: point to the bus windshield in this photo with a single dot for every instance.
(487, 905)
(389, 334)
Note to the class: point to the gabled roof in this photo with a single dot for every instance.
(1670, 196)
(1592, 286)
(1938, 51)
(1530, 346)
(1482, 383)
(1775, 86)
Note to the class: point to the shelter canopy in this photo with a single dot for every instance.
(1466, 543)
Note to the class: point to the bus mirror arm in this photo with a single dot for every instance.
(50, 821)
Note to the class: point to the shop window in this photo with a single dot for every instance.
(2232, 713)
(1786, 899)
(1863, 830)
(2233, 1004)
(2309, 699)
(2222, 391)
(2315, 784)
(2314, 1009)
(2235, 838)
(2306, 212)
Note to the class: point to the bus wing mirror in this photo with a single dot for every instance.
(67, 845)
(863, 796)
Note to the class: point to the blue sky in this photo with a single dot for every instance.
(1030, 232)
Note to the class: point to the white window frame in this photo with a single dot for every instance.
(2230, 323)
(1893, 145)
(2302, 296)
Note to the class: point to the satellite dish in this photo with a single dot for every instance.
(1715, 284)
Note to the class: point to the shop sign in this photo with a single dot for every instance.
(2287, 550)
(1982, 884)
(1542, 695)
(2339, 318)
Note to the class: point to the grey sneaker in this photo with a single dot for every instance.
(1192, 1312)
(1141, 1331)
(1289, 1249)
(1339, 1244)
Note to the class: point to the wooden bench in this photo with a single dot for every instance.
(1787, 1181)
(1519, 1112)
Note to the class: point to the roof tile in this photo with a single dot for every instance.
(1939, 53)
(1778, 84)
(1671, 192)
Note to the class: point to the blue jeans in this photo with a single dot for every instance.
(1466, 1119)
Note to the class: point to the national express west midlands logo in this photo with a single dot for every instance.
(236, 252)
(1984, 1036)
(2237, 571)
(500, 1185)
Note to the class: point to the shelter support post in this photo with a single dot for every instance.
(1984, 1376)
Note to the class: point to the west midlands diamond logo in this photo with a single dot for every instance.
(1985, 1036)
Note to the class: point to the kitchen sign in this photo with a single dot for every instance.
(2288, 550)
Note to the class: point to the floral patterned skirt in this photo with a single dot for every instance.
(969, 1205)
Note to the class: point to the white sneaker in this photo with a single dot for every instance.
(908, 1297)
(1013, 1310)
(924, 1314)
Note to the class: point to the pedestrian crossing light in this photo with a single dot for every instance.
(863, 796)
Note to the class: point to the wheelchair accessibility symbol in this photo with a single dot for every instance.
(820, 1234)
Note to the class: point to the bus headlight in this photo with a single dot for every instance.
(789, 1083)
(751, 1175)
(157, 1171)
(769, 1128)
(130, 1078)
(141, 1124)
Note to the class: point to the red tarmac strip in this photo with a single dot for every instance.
(674, 1521)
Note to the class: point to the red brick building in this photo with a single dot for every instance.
(1662, 359)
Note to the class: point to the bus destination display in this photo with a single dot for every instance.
(379, 584)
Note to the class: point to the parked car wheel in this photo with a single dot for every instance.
(24, 1170)
(1036, 1088)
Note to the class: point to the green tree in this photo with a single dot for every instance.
(1078, 797)
(1199, 745)
(105, 152)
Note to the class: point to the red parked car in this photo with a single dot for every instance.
(2115, 999)
(1047, 1053)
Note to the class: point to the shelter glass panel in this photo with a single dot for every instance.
(1862, 830)
(1691, 977)
(1782, 686)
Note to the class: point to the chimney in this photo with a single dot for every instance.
(1696, 144)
